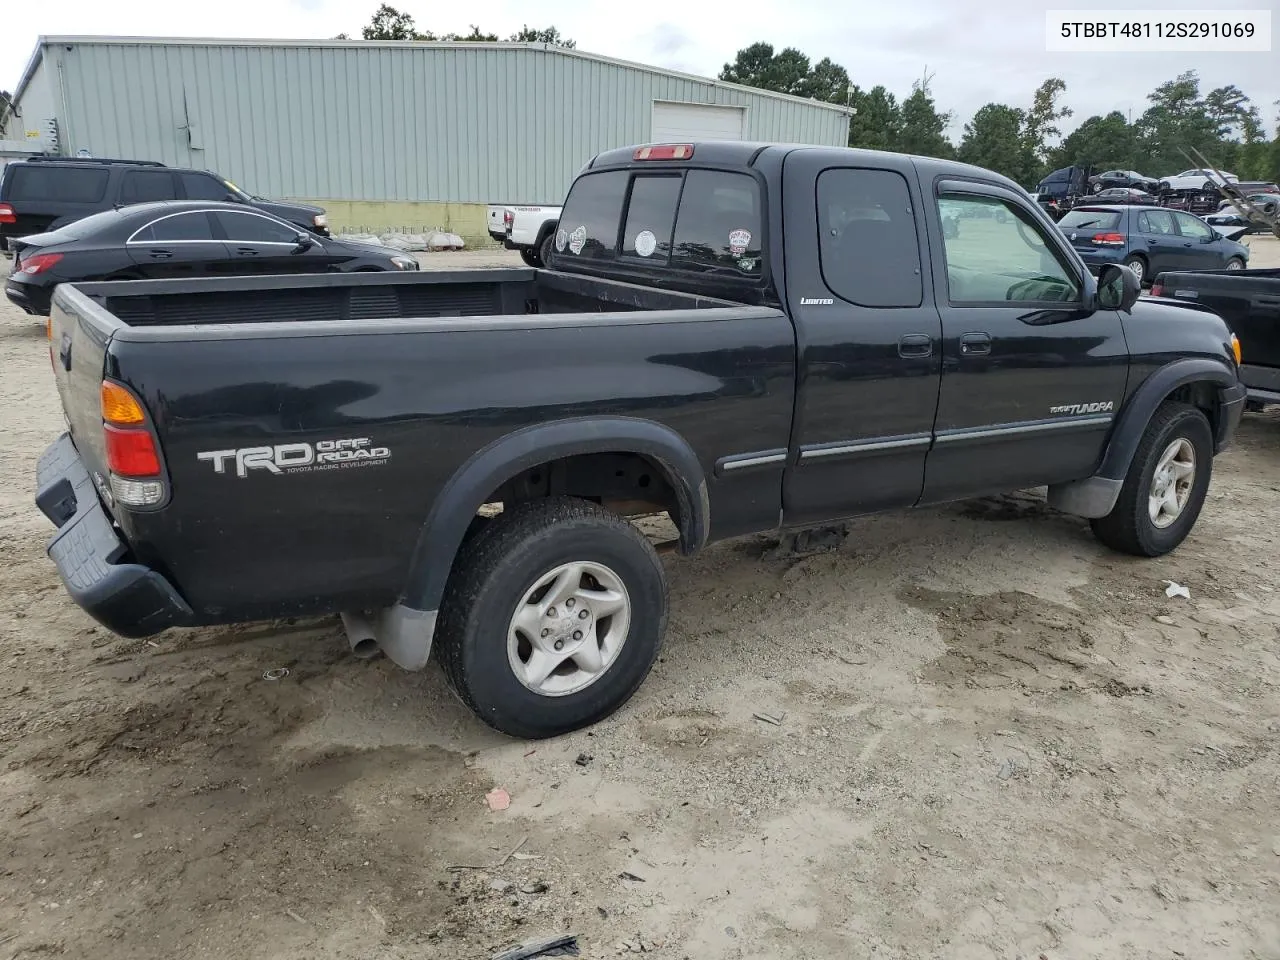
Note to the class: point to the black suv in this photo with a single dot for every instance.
(43, 193)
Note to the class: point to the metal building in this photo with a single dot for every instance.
(383, 134)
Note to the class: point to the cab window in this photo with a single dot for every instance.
(1001, 255)
(718, 227)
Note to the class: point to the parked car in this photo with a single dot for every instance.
(185, 238)
(1110, 179)
(1148, 240)
(451, 467)
(1257, 186)
(1121, 195)
(524, 227)
(1195, 180)
(1249, 301)
(1268, 203)
(43, 193)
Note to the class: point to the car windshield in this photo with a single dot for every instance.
(1096, 219)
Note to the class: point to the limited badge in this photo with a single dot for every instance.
(646, 243)
(562, 239)
(578, 240)
(739, 240)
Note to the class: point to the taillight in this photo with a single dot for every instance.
(6, 214)
(39, 263)
(1157, 289)
(507, 218)
(664, 151)
(132, 456)
(1109, 239)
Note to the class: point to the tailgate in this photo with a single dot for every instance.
(78, 351)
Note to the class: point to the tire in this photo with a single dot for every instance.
(503, 567)
(530, 257)
(1137, 265)
(544, 248)
(1129, 527)
(1235, 263)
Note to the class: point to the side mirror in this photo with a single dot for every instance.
(1118, 288)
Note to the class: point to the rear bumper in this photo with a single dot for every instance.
(29, 297)
(1231, 402)
(127, 598)
(1096, 257)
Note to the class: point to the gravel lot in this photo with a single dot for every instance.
(995, 740)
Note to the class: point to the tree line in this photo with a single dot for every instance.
(1023, 141)
(388, 23)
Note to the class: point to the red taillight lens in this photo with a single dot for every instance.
(6, 214)
(39, 263)
(131, 453)
(664, 151)
(1157, 289)
(1109, 239)
(507, 217)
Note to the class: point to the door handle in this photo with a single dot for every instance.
(246, 251)
(161, 254)
(915, 345)
(975, 344)
(1263, 300)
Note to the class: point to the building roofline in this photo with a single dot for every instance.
(28, 71)
(45, 41)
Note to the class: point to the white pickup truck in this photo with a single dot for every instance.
(524, 227)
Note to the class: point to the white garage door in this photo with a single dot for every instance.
(682, 122)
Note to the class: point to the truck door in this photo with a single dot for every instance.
(1032, 377)
(868, 337)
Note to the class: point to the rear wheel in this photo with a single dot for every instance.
(1235, 263)
(1165, 486)
(1137, 266)
(530, 257)
(544, 248)
(553, 616)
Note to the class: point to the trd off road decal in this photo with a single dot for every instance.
(739, 240)
(298, 457)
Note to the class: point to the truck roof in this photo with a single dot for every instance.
(746, 153)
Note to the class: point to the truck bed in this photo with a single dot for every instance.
(1249, 301)
(423, 369)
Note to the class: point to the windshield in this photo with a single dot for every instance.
(1093, 219)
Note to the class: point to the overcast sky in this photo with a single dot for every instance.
(978, 50)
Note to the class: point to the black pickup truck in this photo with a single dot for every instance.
(749, 337)
(1249, 301)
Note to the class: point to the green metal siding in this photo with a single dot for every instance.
(462, 123)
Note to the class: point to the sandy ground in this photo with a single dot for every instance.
(996, 740)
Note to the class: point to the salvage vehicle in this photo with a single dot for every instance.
(1148, 240)
(39, 194)
(1249, 302)
(180, 239)
(526, 228)
(747, 337)
(1111, 179)
(1196, 180)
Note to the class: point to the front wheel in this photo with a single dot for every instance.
(1235, 263)
(553, 616)
(1165, 487)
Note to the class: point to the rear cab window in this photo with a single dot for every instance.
(689, 221)
(31, 181)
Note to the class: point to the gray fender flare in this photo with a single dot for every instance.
(456, 505)
(1095, 496)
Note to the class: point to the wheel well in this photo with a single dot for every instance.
(628, 483)
(1201, 394)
